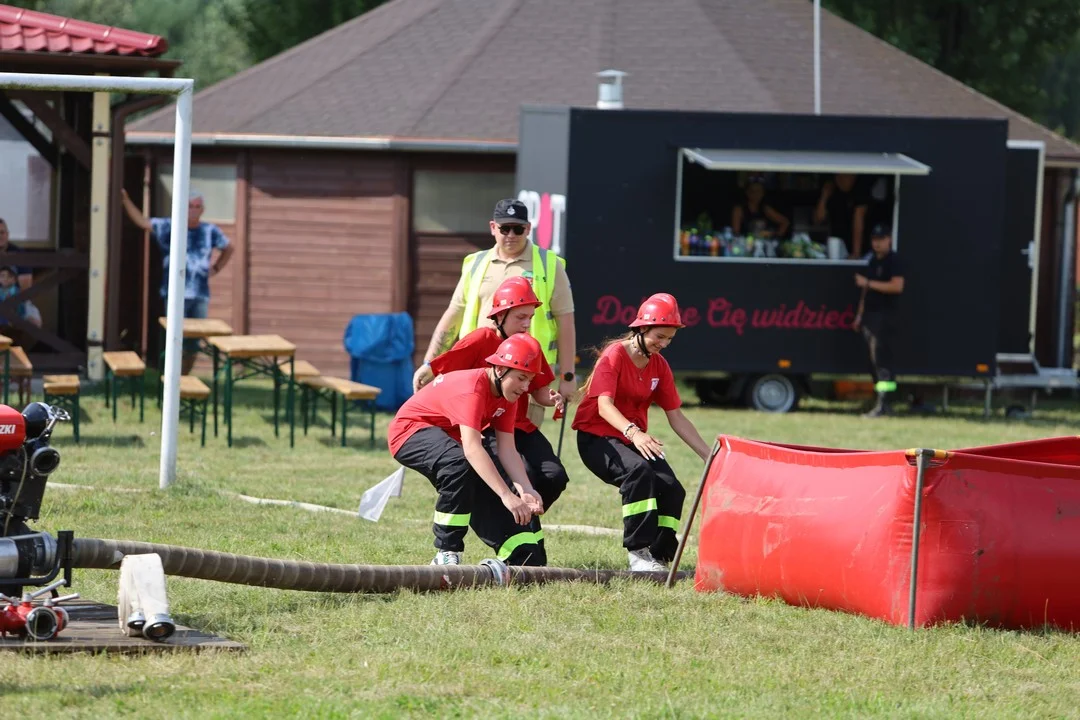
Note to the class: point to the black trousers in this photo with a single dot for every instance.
(877, 331)
(545, 471)
(652, 497)
(516, 544)
(441, 459)
(465, 500)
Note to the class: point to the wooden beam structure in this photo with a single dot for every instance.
(63, 134)
(26, 128)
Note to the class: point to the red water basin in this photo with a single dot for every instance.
(999, 531)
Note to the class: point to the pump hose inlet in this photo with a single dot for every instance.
(327, 577)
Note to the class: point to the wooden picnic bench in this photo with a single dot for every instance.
(332, 388)
(256, 355)
(194, 397)
(21, 372)
(125, 364)
(63, 391)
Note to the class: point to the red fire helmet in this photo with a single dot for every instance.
(660, 310)
(513, 292)
(518, 352)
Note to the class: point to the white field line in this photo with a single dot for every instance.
(312, 507)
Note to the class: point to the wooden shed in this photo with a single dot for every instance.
(356, 170)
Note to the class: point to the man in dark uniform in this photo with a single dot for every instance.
(881, 282)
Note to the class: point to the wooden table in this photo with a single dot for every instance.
(5, 346)
(257, 355)
(200, 329)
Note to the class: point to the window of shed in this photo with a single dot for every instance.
(216, 182)
(26, 186)
(457, 202)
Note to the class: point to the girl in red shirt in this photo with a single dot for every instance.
(437, 433)
(512, 307)
(612, 422)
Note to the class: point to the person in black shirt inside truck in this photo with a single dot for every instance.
(843, 204)
(881, 283)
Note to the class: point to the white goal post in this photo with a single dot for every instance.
(182, 89)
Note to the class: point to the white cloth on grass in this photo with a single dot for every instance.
(373, 502)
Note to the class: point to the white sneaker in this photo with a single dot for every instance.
(447, 557)
(643, 561)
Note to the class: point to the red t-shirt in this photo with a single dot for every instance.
(633, 391)
(449, 401)
(473, 350)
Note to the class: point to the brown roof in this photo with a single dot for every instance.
(460, 69)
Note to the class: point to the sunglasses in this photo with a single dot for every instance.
(516, 229)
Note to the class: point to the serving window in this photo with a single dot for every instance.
(785, 206)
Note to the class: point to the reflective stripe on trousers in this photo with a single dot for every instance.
(452, 520)
(515, 541)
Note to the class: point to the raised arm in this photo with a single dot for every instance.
(133, 213)
(821, 210)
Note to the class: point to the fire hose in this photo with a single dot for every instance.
(91, 553)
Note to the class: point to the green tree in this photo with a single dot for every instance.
(1062, 83)
(268, 32)
(1006, 49)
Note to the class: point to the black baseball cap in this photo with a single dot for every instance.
(510, 210)
(881, 230)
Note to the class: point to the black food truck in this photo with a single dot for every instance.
(758, 223)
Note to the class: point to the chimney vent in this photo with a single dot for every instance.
(610, 95)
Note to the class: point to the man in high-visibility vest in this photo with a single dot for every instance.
(483, 271)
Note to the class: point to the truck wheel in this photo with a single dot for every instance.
(774, 393)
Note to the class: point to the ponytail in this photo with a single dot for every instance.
(599, 352)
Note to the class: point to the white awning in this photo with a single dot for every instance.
(806, 161)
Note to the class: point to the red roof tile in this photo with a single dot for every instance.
(31, 31)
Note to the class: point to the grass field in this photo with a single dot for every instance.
(626, 650)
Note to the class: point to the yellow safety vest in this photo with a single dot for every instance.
(543, 327)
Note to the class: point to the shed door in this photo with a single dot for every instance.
(1020, 253)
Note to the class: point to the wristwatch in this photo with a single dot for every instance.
(568, 375)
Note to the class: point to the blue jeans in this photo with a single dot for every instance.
(195, 308)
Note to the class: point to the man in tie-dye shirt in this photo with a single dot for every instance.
(202, 262)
